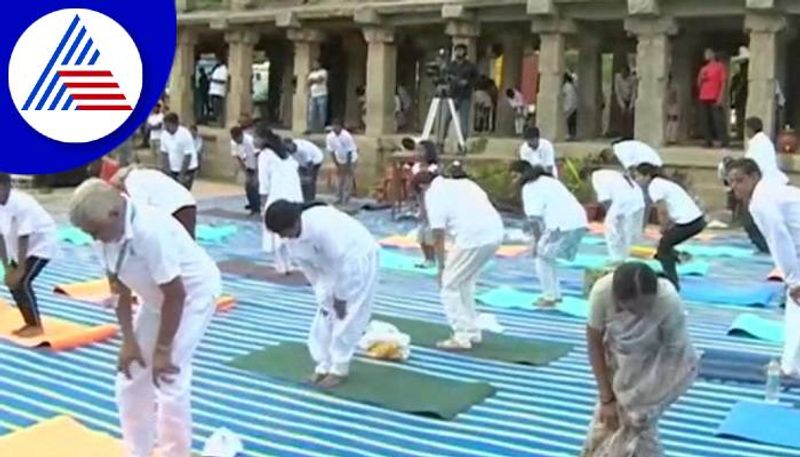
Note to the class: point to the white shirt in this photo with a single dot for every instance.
(517, 102)
(154, 188)
(340, 145)
(246, 151)
(319, 89)
(626, 196)
(278, 178)
(632, 153)
(463, 209)
(155, 122)
(544, 155)
(550, 200)
(178, 146)
(761, 150)
(775, 208)
(570, 95)
(159, 250)
(198, 145)
(218, 84)
(328, 240)
(22, 216)
(680, 206)
(308, 152)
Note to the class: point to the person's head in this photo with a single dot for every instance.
(709, 55)
(337, 126)
(634, 287)
(427, 152)
(523, 172)
(157, 108)
(531, 136)
(510, 93)
(460, 51)
(422, 180)
(284, 218)
(647, 171)
(567, 78)
(625, 71)
(457, 170)
(743, 176)
(237, 135)
(607, 157)
(171, 123)
(98, 209)
(261, 135)
(5, 187)
(95, 168)
(754, 125)
(316, 65)
(193, 130)
(290, 145)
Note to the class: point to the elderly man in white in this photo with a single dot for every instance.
(146, 251)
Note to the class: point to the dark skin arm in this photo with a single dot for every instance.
(596, 350)
(13, 277)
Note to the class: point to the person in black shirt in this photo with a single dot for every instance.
(464, 75)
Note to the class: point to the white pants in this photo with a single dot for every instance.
(332, 342)
(622, 232)
(146, 411)
(548, 277)
(790, 362)
(461, 272)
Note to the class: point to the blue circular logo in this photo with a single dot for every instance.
(81, 79)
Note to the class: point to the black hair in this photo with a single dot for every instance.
(172, 118)
(746, 166)
(283, 214)
(460, 46)
(632, 280)
(5, 179)
(755, 124)
(649, 170)
(510, 92)
(431, 153)
(457, 171)
(530, 173)
(236, 131)
(531, 133)
(423, 178)
(271, 140)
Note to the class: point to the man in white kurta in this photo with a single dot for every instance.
(147, 252)
(343, 149)
(462, 208)
(278, 179)
(775, 208)
(632, 153)
(761, 150)
(624, 202)
(538, 151)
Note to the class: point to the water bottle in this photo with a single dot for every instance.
(773, 386)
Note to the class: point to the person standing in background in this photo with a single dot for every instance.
(673, 111)
(154, 127)
(217, 91)
(625, 90)
(517, 102)
(310, 158)
(465, 75)
(570, 95)
(198, 145)
(244, 150)
(711, 83)
(343, 149)
(179, 156)
(538, 151)
(317, 98)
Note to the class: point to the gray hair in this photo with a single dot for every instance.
(92, 201)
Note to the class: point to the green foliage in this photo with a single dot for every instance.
(496, 180)
(576, 175)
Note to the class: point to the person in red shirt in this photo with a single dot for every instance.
(711, 83)
(104, 168)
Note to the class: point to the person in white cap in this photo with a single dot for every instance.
(147, 252)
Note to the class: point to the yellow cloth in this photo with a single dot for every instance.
(386, 351)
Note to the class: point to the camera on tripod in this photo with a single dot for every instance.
(439, 71)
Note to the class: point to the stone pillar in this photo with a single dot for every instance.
(240, 67)
(652, 65)
(381, 80)
(465, 33)
(356, 76)
(183, 6)
(764, 30)
(306, 51)
(552, 65)
(181, 92)
(513, 53)
(590, 90)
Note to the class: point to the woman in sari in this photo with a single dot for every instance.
(641, 357)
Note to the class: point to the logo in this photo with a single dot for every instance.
(75, 75)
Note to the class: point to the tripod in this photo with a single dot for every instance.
(441, 105)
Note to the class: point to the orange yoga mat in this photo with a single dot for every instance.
(597, 228)
(99, 291)
(58, 334)
(407, 242)
(61, 436)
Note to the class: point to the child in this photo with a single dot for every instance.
(339, 257)
(558, 222)
(27, 244)
(463, 208)
(342, 147)
(624, 204)
(678, 215)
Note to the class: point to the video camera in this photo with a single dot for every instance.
(439, 70)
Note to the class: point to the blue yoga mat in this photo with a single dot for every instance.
(75, 236)
(763, 423)
(593, 241)
(214, 233)
(697, 250)
(509, 298)
(738, 367)
(758, 294)
(393, 260)
(753, 326)
(594, 261)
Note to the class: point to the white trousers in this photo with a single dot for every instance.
(332, 342)
(548, 277)
(147, 412)
(461, 271)
(790, 361)
(622, 232)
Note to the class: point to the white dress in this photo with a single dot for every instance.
(278, 179)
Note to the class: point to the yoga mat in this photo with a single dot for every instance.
(715, 251)
(509, 298)
(738, 367)
(260, 272)
(227, 214)
(385, 385)
(98, 291)
(392, 260)
(59, 335)
(75, 236)
(760, 294)
(653, 233)
(215, 234)
(61, 436)
(494, 346)
(753, 326)
(762, 423)
(407, 242)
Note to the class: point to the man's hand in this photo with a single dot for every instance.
(609, 416)
(163, 369)
(794, 293)
(340, 308)
(129, 353)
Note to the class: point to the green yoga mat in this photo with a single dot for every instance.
(388, 386)
(494, 346)
(75, 236)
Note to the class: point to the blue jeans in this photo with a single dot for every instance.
(317, 113)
